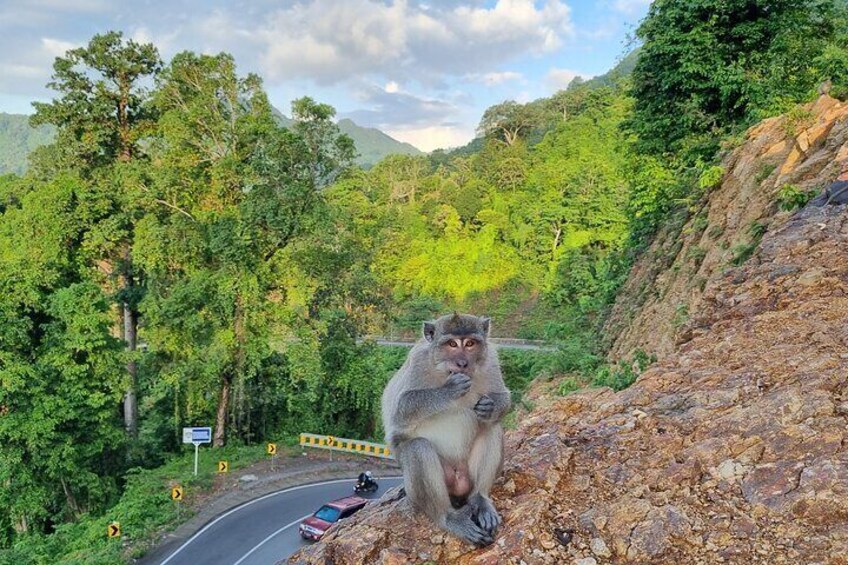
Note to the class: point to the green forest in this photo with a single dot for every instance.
(176, 258)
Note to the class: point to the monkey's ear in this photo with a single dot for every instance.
(484, 323)
(429, 330)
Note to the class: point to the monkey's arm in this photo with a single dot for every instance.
(493, 405)
(417, 405)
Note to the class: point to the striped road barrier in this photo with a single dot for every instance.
(346, 445)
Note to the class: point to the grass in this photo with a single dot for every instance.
(144, 510)
(766, 169)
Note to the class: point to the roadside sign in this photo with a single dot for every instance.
(223, 467)
(272, 449)
(113, 530)
(197, 435)
(331, 440)
(177, 493)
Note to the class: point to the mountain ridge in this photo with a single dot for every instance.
(18, 139)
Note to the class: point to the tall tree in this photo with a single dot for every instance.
(101, 113)
(508, 121)
(231, 190)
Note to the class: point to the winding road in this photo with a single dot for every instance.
(264, 530)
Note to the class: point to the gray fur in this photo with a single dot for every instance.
(427, 394)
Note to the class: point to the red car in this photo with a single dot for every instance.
(314, 527)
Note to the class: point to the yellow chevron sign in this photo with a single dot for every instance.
(272, 449)
(345, 445)
(177, 493)
(113, 530)
(223, 467)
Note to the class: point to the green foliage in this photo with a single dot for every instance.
(707, 65)
(710, 177)
(143, 510)
(765, 171)
(798, 118)
(100, 112)
(790, 197)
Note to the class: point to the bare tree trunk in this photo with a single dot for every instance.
(71, 499)
(227, 385)
(220, 437)
(130, 328)
(557, 234)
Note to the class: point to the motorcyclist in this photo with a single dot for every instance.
(365, 479)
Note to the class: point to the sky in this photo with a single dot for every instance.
(422, 71)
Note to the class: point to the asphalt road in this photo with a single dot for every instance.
(264, 530)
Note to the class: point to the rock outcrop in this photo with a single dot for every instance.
(666, 285)
(733, 448)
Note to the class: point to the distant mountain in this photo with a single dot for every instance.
(623, 69)
(372, 144)
(18, 139)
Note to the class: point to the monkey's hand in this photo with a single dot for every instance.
(484, 408)
(457, 385)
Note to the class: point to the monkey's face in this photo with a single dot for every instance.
(458, 354)
(457, 342)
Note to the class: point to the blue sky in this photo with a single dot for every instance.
(422, 71)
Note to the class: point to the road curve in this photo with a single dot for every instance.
(263, 530)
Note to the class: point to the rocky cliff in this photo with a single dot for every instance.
(801, 151)
(731, 449)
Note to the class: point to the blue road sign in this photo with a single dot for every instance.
(197, 435)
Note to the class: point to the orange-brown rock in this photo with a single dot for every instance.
(666, 285)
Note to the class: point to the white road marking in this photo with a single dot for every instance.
(246, 504)
(263, 542)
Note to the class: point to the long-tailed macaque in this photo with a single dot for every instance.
(441, 413)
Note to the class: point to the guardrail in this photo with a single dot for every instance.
(346, 445)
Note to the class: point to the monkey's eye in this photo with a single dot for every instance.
(452, 344)
(470, 343)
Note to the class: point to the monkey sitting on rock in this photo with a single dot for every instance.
(441, 413)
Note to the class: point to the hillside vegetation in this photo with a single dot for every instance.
(175, 257)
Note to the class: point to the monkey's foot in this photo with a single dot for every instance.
(460, 523)
(484, 513)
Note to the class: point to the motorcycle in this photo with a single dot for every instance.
(365, 484)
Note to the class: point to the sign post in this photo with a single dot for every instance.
(197, 436)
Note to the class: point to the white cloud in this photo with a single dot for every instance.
(332, 41)
(557, 79)
(495, 78)
(385, 109)
(433, 137)
(56, 47)
(20, 71)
